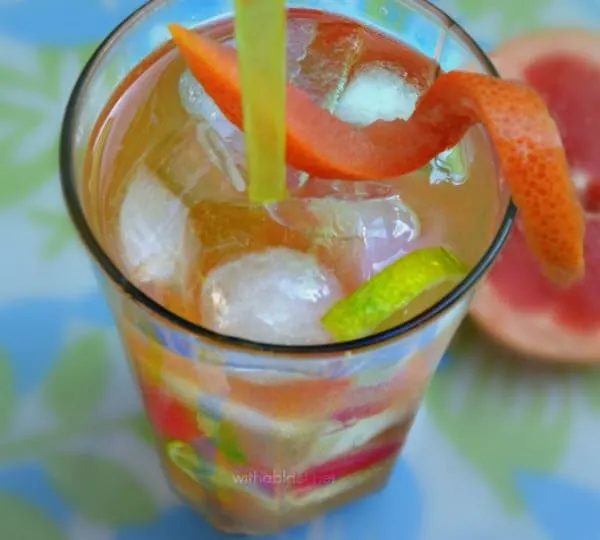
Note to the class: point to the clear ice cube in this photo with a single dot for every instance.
(322, 71)
(195, 164)
(154, 232)
(386, 219)
(360, 238)
(358, 227)
(320, 57)
(228, 158)
(450, 166)
(376, 92)
(201, 106)
(274, 296)
(300, 34)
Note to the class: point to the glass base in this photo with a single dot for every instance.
(242, 512)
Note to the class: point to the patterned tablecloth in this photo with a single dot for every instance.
(501, 451)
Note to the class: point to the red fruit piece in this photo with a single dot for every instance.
(170, 418)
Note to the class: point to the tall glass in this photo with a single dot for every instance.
(257, 436)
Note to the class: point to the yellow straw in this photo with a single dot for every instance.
(260, 36)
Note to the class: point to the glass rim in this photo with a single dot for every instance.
(77, 214)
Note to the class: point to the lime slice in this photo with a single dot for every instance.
(391, 290)
(184, 457)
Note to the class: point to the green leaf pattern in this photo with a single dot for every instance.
(22, 520)
(511, 16)
(7, 393)
(388, 15)
(56, 229)
(502, 414)
(101, 489)
(78, 381)
(33, 93)
(589, 382)
(141, 428)
(76, 385)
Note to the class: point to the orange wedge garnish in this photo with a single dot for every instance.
(530, 154)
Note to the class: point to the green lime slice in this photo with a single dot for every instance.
(228, 444)
(391, 290)
(184, 457)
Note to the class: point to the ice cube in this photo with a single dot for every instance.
(386, 218)
(274, 296)
(300, 34)
(360, 238)
(359, 227)
(222, 142)
(451, 166)
(320, 56)
(376, 92)
(322, 70)
(228, 158)
(195, 165)
(199, 104)
(154, 234)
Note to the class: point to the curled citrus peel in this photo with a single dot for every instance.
(530, 154)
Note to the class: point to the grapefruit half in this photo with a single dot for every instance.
(516, 304)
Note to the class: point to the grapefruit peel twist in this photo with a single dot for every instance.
(530, 154)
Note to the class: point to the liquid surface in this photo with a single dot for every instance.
(171, 189)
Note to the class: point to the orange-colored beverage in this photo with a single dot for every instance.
(162, 138)
(272, 423)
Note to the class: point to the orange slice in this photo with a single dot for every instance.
(530, 153)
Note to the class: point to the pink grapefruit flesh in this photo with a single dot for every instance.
(517, 304)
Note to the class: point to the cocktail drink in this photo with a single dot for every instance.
(282, 347)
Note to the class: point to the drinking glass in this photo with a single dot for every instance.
(258, 436)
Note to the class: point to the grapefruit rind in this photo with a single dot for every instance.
(512, 57)
(533, 335)
(537, 335)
